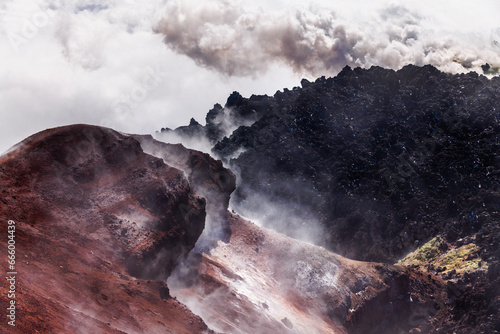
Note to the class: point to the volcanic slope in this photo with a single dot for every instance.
(98, 229)
(100, 225)
(264, 282)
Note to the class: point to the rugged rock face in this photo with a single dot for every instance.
(264, 282)
(99, 224)
(385, 161)
(388, 159)
(209, 180)
(222, 121)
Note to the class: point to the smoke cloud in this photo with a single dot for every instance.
(86, 61)
(240, 40)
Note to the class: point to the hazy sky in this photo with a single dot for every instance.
(138, 67)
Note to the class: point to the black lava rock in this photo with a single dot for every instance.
(384, 160)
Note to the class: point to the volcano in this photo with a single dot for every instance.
(364, 203)
(101, 226)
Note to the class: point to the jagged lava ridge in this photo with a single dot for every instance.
(386, 161)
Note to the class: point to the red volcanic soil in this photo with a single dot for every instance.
(264, 282)
(97, 227)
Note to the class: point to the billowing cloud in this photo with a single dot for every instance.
(235, 38)
(101, 62)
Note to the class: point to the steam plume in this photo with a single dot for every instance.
(234, 39)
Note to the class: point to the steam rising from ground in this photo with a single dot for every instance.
(260, 276)
(281, 215)
(208, 180)
(194, 142)
(236, 38)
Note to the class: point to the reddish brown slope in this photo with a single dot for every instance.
(92, 210)
(264, 282)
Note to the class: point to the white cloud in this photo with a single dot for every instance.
(69, 62)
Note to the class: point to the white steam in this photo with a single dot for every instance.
(240, 39)
(194, 142)
(292, 219)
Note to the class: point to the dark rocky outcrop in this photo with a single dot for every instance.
(209, 180)
(387, 159)
(384, 160)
